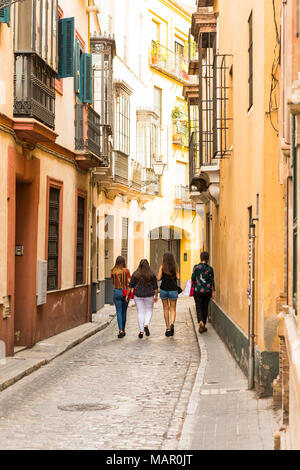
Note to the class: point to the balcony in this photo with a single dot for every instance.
(180, 133)
(87, 138)
(169, 63)
(120, 168)
(136, 178)
(203, 22)
(149, 182)
(182, 198)
(34, 89)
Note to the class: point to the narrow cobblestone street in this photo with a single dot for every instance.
(107, 393)
(134, 394)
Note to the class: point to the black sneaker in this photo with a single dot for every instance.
(147, 331)
(168, 333)
(141, 335)
(172, 330)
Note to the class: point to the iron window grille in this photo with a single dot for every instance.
(34, 85)
(213, 102)
(91, 142)
(122, 122)
(35, 29)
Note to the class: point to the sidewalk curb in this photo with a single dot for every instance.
(188, 425)
(35, 364)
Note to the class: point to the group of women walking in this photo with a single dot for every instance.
(142, 286)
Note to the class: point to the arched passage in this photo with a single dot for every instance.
(167, 238)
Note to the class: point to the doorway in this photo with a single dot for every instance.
(25, 264)
(162, 240)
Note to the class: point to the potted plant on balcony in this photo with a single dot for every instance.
(179, 117)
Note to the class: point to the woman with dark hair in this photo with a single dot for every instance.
(204, 287)
(120, 276)
(168, 274)
(144, 281)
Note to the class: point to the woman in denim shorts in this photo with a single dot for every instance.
(168, 274)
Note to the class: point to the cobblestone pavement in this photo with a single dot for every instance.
(107, 393)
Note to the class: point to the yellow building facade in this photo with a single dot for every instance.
(239, 180)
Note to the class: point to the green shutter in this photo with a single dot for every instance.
(87, 78)
(77, 67)
(66, 38)
(5, 15)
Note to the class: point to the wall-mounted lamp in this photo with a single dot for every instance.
(158, 168)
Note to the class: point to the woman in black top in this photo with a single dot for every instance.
(144, 281)
(169, 274)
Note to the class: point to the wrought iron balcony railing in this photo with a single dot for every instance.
(169, 63)
(182, 200)
(92, 141)
(136, 181)
(34, 89)
(194, 163)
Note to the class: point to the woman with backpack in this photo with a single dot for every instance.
(168, 274)
(144, 283)
(204, 286)
(120, 276)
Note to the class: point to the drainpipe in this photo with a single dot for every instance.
(251, 335)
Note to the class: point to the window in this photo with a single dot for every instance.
(124, 246)
(158, 102)
(53, 248)
(179, 49)
(250, 54)
(80, 240)
(155, 31)
(295, 216)
(35, 28)
(122, 122)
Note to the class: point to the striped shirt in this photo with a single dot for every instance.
(121, 280)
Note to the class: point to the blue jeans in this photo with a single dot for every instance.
(121, 306)
(169, 294)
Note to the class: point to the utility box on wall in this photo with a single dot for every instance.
(42, 282)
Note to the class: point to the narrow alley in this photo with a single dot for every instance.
(109, 393)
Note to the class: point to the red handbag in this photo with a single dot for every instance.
(192, 290)
(131, 293)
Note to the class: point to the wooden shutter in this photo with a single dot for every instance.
(53, 239)
(66, 38)
(80, 240)
(5, 15)
(87, 78)
(77, 67)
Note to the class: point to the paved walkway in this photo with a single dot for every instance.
(131, 394)
(223, 413)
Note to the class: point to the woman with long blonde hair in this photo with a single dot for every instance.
(120, 277)
(169, 275)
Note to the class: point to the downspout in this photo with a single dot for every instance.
(251, 334)
(251, 361)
